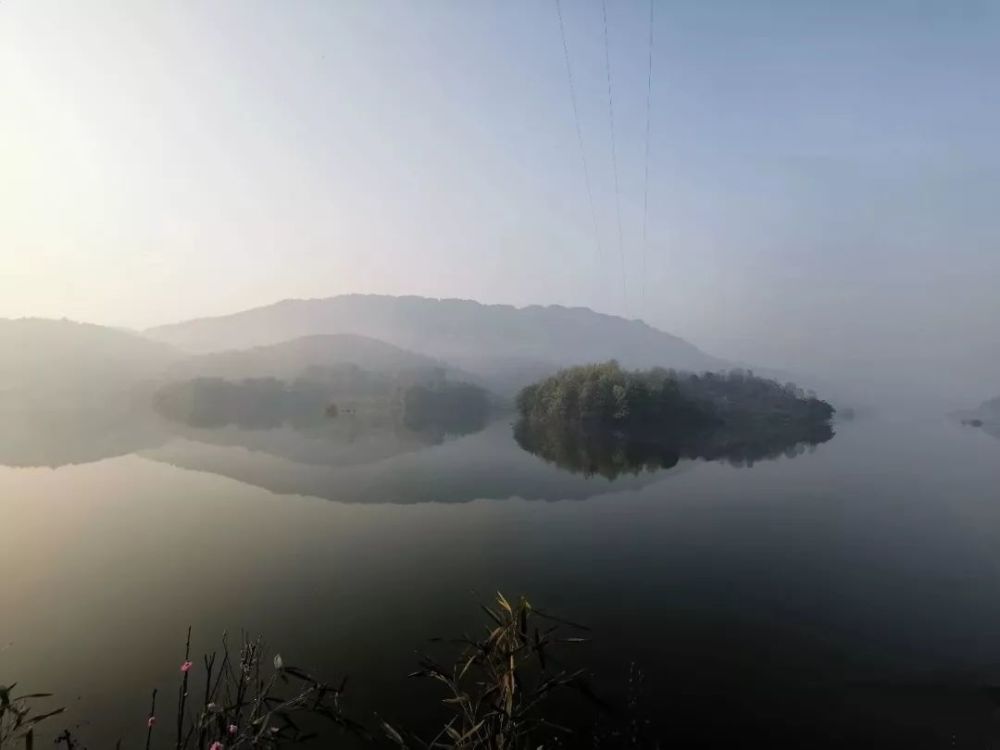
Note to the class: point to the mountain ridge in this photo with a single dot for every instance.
(56, 357)
(513, 345)
(289, 358)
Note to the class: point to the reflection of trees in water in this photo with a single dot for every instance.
(611, 454)
(605, 453)
(251, 404)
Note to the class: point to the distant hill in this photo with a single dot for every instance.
(49, 362)
(507, 346)
(990, 410)
(288, 360)
(986, 416)
(297, 381)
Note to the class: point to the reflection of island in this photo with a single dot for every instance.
(278, 436)
(404, 438)
(349, 440)
(484, 465)
(58, 437)
(612, 455)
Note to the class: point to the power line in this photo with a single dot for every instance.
(579, 131)
(614, 153)
(645, 187)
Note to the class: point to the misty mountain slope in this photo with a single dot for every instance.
(499, 342)
(290, 359)
(990, 410)
(986, 416)
(56, 359)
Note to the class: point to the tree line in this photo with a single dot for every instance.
(419, 400)
(606, 395)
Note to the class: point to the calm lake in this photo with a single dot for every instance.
(845, 594)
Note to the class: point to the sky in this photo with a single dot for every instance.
(823, 178)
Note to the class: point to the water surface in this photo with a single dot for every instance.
(848, 593)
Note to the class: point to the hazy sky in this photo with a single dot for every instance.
(824, 176)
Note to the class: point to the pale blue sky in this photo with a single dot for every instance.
(824, 176)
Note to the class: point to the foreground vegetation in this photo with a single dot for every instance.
(496, 691)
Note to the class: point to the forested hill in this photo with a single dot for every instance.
(511, 345)
(52, 361)
(290, 359)
(608, 396)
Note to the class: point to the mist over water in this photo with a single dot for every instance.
(327, 321)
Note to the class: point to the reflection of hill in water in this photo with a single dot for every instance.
(372, 460)
(485, 465)
(293, 421)
(58, 437)
(345, 441)
(613, 455)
